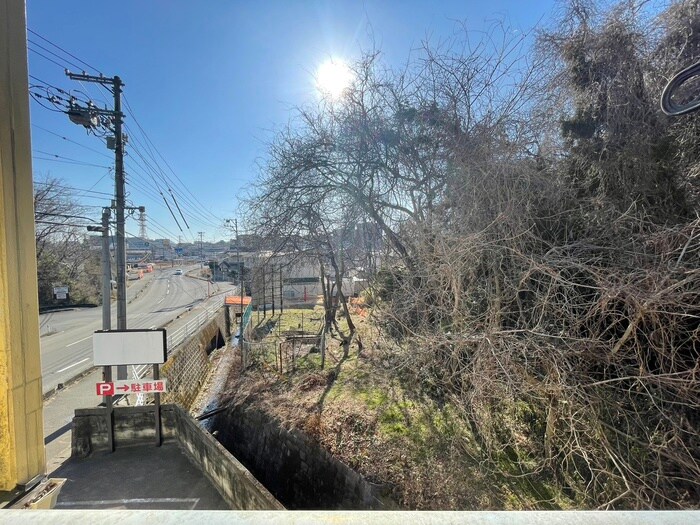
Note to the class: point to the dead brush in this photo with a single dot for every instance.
(577, 361)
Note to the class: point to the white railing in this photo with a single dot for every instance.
(176, 338)
(192, 326)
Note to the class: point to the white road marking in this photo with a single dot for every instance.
(71, 366)
(191, 502)
(80, 341)
(161, 300)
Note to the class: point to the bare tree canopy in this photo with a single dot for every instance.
(62, 255)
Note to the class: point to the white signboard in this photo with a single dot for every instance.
(129, 347)
(61, 292)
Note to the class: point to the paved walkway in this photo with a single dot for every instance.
(143, 477)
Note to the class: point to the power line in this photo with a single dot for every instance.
(148, 165)
(72, 141)
(202, 207)
(76, 162)
(64, 187)
(161, 175)
(47, 58)
(66, 52)
(194, 217)
(37, 98)
(62, 224)
(30, 41)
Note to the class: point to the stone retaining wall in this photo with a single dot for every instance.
(299, 472)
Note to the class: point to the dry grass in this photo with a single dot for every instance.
(365, 414)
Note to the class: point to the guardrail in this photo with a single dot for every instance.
(175, 339)
(192, 326)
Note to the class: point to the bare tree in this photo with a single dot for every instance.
(62, 255)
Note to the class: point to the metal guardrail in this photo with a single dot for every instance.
(174, 340)
(192, 326)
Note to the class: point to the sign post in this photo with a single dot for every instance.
(130, 347)
(60, 293)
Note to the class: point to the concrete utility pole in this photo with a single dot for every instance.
(106, 308)
(106, 273)
(201, 247)
(88, 118)
(119, 183)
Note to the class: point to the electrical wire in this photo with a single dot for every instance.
(161, 175)
(73, 141)
(64, 187)
(63, 224)
(36, 97)
(143, 171)
(147, 138)
(66, 52)
(78, 163)
(45, 57)
(30, 41)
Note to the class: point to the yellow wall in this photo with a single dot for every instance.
(21, 419)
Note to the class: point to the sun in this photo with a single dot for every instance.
(333, 78)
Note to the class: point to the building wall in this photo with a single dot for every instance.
(21, 418)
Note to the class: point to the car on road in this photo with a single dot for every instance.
(178, 272)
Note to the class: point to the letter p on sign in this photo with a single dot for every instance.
(105, 389)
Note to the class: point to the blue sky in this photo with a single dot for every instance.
(210, 81)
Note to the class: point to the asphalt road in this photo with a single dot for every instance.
(160, 297)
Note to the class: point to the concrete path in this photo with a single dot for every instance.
(140, 477)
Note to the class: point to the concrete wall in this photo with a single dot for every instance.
(134, 426)
(235, 483)
(21, 419)
(187, 367)
(300, 473)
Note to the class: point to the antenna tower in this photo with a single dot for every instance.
(142, 223)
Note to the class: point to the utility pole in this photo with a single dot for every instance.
(106, 310)
(272, 287)
(281, 293)
(106, 274)
(240, 278)
(239, 265)
(88, 117)
(264, 293)
(201, 247)
(107, 314)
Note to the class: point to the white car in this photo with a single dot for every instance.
(178, 272)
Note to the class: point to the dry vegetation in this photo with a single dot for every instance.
(535, 333)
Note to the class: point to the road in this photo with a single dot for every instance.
(161, 297)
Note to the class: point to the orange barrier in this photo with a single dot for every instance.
(235, 299)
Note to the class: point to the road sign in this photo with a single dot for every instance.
(150, 386)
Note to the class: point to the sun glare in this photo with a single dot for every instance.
(333, 77)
